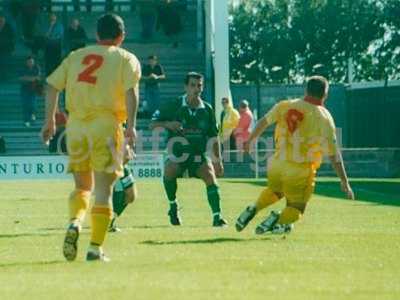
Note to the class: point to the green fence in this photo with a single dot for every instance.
(271, 94)
(373, 117)
(366, 115)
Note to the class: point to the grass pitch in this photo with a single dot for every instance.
(340, 250)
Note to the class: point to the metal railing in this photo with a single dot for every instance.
(91, 5)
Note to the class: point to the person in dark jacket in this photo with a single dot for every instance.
(75, 36)
(30, 11)
(169, 19)
(152, 73)
(29, 79)
(53, 48)
(7, 45)
(148, 17)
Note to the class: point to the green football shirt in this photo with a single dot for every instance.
(198, 126)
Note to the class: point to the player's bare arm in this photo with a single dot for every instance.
(147, 77)
(49, 127)
(29, 78)
(338, 165)
(217, 161)
(132, 103)
(130, 194)
(260, 128)
(170, 125)
(160, 77)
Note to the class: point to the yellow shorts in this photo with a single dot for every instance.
(295, 181)
(95, 145)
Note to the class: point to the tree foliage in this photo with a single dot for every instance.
(283, 41)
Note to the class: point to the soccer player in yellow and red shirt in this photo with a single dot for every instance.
(101, 84)
(305, 132)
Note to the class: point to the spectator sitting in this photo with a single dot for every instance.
(29, 78)
(229, 121)
(7, 44)
(153, 73)
(148, 17)
(169, 18)
(75, 36)
(242, 131)
(53, 48)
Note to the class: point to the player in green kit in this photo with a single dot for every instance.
(193, 145)
(124, 191)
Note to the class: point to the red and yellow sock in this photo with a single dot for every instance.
(266, 198)
(78, 205)
(101, 218)
(289, 215)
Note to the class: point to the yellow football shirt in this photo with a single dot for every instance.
(95, 79)
(304, 132)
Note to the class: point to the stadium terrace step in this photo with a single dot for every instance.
(19, 126)
(176, 62)
(119, 5)
(23, 152)
(132, 24)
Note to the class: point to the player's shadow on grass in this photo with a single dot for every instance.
(61, 228)
(32, 264)
(377, 192)
(147, 226)
(205, 241)
(25, 234)
(372, 191)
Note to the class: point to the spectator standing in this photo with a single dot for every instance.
(46, 5)
(152, 74)
(148, 17)
(88, 5)
(53, 49)
(229, 121)
(58, 142)
(76, 36)
(12, 9)
(7, 45)
(3, 148)
(242, 131)
(169, 19)
(109, 5)
(30, 77)
(30, 11)
(77, 5)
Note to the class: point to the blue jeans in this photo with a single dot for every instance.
(152, 97)
(28, 104)
(5, 59)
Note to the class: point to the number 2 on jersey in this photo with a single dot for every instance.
(93, 63)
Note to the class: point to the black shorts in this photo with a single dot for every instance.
(192, 164)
